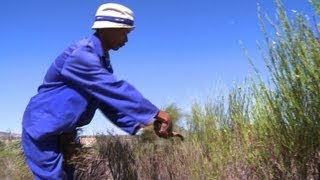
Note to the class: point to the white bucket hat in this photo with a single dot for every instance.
(112, 15)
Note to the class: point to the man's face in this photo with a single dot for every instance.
(115, 38)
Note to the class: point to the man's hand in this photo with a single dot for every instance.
(163, 124)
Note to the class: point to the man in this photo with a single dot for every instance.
(78, 82)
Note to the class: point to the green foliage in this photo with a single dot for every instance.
(2, 146)
(316, 4)
(292, 105)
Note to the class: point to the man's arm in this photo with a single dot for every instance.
(83, 70)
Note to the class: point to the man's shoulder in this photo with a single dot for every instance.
(85, 44)
(84, 52)
(90, 44)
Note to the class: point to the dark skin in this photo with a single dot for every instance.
(114, 39)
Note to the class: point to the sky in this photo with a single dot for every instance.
(181, 51)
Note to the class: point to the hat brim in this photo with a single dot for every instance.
(107, 24)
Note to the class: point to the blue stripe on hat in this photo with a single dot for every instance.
(115, 19)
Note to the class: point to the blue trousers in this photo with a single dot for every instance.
(45, 157)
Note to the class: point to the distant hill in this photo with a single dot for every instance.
(9, 135)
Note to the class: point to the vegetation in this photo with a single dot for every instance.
(263, 130)
(12, 162)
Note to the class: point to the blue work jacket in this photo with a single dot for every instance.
(77, 83)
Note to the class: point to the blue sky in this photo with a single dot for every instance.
(180, 51)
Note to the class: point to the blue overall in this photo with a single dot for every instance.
(77, 83)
